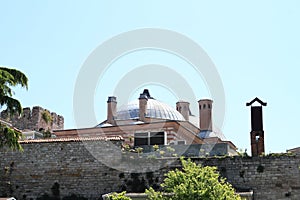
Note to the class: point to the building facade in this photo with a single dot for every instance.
(147, 122)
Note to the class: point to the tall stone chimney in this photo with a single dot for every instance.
(257, 131)
(142, 106)
(205, 112)
(111, 110)
(184, 108)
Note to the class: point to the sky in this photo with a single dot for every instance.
(254, 47)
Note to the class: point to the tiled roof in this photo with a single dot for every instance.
(294, 150)
(73, 139)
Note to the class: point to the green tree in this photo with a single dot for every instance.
(194, 182)
(10, 78)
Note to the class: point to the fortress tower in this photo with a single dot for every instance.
(37, 119)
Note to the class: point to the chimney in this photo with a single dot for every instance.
(257, 131)
(111, 110)
(184, 108)
(142, 106)
(205, 112)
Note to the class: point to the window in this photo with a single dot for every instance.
(140, 139)
(149, 138)
(179, 109)
(157, 138)
(204, 106)
(181, 142)
(257, 137)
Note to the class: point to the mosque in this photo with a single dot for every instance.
(147, 121)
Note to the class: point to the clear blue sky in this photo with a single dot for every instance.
(255, 47)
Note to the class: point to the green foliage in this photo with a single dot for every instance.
(130, 139)
(139, 150)
(155, 147)
(46, 116)
(280, 154)
(242, 153)
(153, 195)
(170, 149)
(151, 157)
(118, 196)
(47, 134)
(194, 182)
(9, 137)
(126, 147)
(162, 153)
(10, 78)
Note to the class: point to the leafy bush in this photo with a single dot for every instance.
(194, 182)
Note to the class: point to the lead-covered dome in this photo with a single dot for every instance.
(155, 109)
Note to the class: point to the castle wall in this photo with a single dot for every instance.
(65, 168)
(34, 120)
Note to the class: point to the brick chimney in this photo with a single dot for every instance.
(184, 108)
(205, 112)
(142, 106)
(257, 131)
(111, 110)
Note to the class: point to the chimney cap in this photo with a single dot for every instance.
(112, 99)
(256, 100)
(182, 101)
(201, 100)
(145, 95)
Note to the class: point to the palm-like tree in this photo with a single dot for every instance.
(10, 78)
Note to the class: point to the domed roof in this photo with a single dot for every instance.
(155, 109)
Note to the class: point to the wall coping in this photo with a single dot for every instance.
(73, 139)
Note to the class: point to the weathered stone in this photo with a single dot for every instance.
(33, 119)
(70, 165)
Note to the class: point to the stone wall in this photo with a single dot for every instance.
(64, 168)
(34, 120)
(270, 177)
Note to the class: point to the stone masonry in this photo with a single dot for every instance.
(34, 119)
(63, 168)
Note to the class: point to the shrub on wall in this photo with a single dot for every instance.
(46, 116)
(194, 182)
